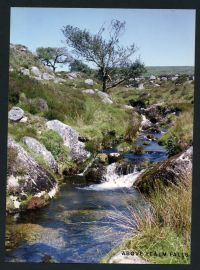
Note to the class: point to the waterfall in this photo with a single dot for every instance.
(112, 180)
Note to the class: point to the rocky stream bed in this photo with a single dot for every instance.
(78, 225)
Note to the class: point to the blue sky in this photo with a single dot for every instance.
(163, 37)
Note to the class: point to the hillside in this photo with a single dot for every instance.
(64, 130)
(161, 70)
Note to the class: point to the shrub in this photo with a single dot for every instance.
(172, 146)
(132, 129)
(53, 114)
(137, 103)
(14, 92)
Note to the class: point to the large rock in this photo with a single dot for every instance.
(114, 157)
(174, 170)
(71, 140)
(174, 78)
(25, 71)
(89, 82)
(128, 107)
(88, 91)
(105, 97)
(96, 171)
(141, 86)
(73, 75)
(15, 114)
(157, 112)
(36, 72)
(26, 178)
(48, 77)
(145, 124)
(40, 149)
(59, 80)
(24, 120)
(152, 77)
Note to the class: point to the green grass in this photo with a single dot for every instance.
(86, 113)
(168, 92)
(20, 130)
(181, 130)
(24, 59)
(166, 228)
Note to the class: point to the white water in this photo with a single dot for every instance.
(113, 180)
(144, 119)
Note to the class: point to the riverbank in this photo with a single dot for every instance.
(163, 234)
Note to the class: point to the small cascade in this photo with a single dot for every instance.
(145, 123)
(112, 180)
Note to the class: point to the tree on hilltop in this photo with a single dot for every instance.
(50, 56)
(113, 61)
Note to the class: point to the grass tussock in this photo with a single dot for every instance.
(162, 228)
(180, 135)
(168, 92)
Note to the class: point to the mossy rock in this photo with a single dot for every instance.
(150, 136)
(146, 143)
(139, 150)
(103, 158)
(172, 171)
(95, 173)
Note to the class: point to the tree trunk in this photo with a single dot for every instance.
(104, 84)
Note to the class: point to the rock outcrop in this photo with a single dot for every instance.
(105, 97)
(157, 112)
(73, 75)
(88, 91)
(71, 140)
(145, 123)
(174, 170)
(97, 170)
(141, 86)
(89, 82)
(25, 71)
(40, 149)
(26, 178)
(15, 114)
(48, 77)
(36, 72)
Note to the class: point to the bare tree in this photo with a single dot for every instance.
(112, 60)
(52, 56)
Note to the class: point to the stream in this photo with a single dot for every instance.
(83, 223)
